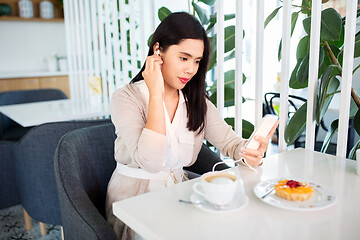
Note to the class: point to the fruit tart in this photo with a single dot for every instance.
(293, 190)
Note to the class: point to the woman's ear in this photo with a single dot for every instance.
(156, 47)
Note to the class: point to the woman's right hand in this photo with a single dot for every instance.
(153, 76)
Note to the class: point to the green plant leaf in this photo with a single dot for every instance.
(229, 16)
(213, 54)
(163, 13)
(279, 50)
(229, 44)
(326, 90)
(305, 7)
(149, 39)
(229, 38)
(229, 81)
(202, 13)
(327, 61)
(302, 74)
(353, 108)
(299, 79)
(213, 21)
(208, 2)
(294, 18)
(296, 125)
(229, 98)
(247, 127)
(325, 87)
(339, 43)
(212, 61)
(226, 17)
(303, 47)
(293, 83)
(333, 85)
(335, 50)
(352, 153)
(331, 24)
(340, 58)
(329, 135)
(210, 27)
(230, 56)
(357, 46)
(271, 16)
(357, 122)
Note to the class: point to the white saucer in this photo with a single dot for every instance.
(240, 200)
(322, 198)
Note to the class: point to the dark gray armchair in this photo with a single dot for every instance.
(34, 155)
(10, 130)
(10, 133)
(205, 162)
(84, 162)
(9, 195)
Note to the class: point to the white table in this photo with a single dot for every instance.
(159, 215)
(32, 114)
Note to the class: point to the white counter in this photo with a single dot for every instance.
(6, 75)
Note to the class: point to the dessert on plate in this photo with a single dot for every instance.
(293, 190)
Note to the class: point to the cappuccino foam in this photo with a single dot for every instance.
(221, 178)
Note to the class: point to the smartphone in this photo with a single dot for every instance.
(265, 126)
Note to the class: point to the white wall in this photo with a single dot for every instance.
(24, 45)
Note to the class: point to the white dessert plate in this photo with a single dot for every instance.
(322, 198)
(240, 201)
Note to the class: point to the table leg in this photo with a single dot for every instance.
(27, 220)
(43, 230)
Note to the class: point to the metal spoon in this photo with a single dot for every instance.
(268, 192)
(217, 207)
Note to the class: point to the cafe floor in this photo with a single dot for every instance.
(12, 226)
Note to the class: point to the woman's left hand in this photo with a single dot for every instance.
(254, 157)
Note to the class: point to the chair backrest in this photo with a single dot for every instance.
(25, 96)
(205, 161)
(34, 155)
(9, 195)
(84, 163)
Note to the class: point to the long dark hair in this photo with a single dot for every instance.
(171, 31)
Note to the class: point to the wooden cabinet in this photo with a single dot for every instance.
(18, 83)
(58, 82)
(58, 12)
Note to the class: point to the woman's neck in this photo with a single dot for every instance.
(171, 94)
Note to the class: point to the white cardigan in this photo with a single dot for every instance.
(138, 147)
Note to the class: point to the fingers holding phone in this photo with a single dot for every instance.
(254, 150)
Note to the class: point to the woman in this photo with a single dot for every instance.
(163, 115)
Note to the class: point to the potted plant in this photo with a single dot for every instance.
(330, 70)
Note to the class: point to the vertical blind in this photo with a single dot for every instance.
(105, 45)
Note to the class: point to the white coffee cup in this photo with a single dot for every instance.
(358, 161)
(217, 187)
